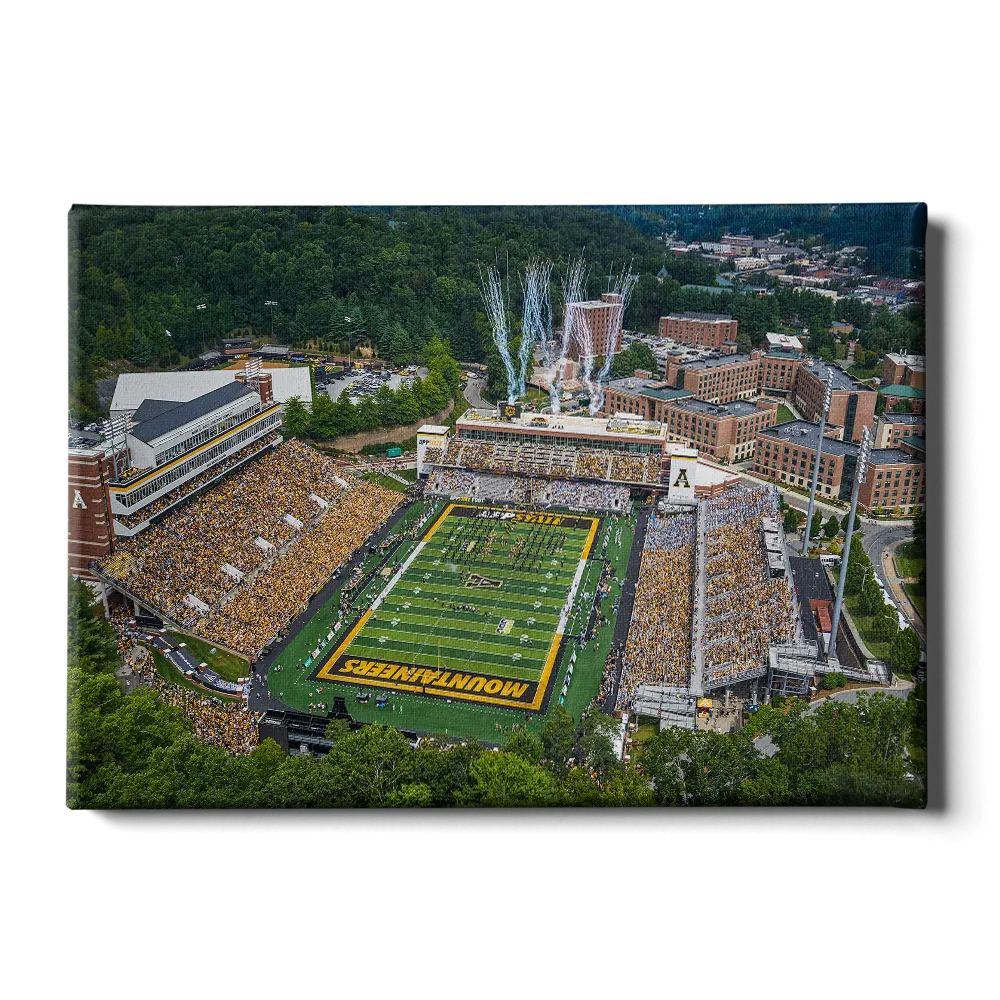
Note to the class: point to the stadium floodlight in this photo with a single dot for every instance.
(827, 397)
(860, 474)
(204, 305)
(270, 304)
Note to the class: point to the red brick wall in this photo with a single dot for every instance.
(91, 534)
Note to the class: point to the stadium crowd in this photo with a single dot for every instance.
(658, 648)
(264, 607)
(222, 723)
(129, 520)
(745, 609)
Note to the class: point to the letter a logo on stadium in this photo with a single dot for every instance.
(682, 479)
(78, 500)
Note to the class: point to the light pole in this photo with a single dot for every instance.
(827, 396)
(204, 305)
(860, 474)
(270, 304)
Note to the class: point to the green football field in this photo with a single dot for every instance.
(476, 612)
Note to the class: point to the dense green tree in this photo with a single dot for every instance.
(559, 735)
(904, 654)
(295, 419)
(505, 779)
(525, 745)
(831, 527)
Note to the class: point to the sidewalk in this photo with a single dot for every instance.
(898, 593)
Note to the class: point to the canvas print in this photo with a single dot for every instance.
(496, 506)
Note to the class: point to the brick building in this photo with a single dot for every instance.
(90, 533)
(894, 396)
(722, 379)
(701, 329)
(640, 396)
(891, 429)
(903, 369)
(852, 405)
(603, 321)
(726, 431)
(717, 379)
(787, 454)
(895, 479)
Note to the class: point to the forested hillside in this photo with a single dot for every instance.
(391, 277)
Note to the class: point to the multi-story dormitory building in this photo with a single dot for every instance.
(701, 329)
(725, 378)
(787, 454)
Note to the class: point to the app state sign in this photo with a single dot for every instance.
(682, 475)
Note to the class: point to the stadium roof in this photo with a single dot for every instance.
(184, 413)
(806, 434)
(150, 408)
(906, 391)
(133, 388)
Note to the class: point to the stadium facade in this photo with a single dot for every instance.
(167, 451)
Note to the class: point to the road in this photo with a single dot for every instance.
(473, 391)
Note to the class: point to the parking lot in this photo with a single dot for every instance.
(359, 384)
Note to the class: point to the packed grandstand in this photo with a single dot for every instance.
(238, 563)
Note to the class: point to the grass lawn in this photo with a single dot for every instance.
(228, 666)
(918, 597)
(467, 640)
(408, 474)
(785, 415)
(863, 625)
(173, 676)
(906, 564)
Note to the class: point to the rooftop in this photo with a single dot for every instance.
(841, 380)
(902, 418)
(806, 434)
(906, 391)
(133, 388)
(702, 317)
(910, 360)
(180, 414)
(892, 456)
(791, 355)
(720, 362)
(614, 427)
(737, 408)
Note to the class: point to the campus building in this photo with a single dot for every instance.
(640, 396)
(852, 405)
(787, 454)
(718, 379)
(895, 480)
(903, 369)
(902, 397)
(725, 431)
(892, 429)
(700, 329)
(601, 319)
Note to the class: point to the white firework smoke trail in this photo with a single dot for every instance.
(624, 286)
(574, 286)
(496, 313)
(536, 321)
